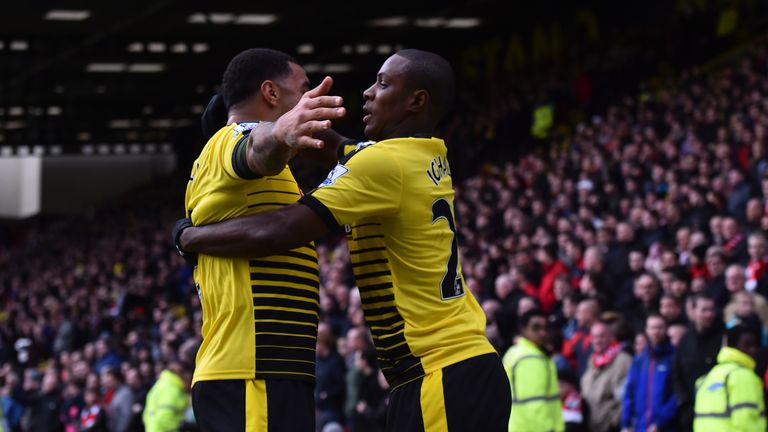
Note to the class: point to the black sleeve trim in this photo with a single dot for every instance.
(321, 210)
(344, 159)
(343, 144)
(240, 160)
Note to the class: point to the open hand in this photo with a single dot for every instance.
(312, 114)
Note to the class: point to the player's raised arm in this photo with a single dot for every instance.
(272, 144)
(253, 236)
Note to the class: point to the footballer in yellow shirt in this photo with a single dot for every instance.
(394, 196)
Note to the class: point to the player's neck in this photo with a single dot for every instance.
(251, 113)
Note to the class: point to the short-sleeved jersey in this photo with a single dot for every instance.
(396, 199)
(259, 315)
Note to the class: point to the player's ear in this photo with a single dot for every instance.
(419, 100)
(270, 92)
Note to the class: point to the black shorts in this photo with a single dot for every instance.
(469, 396)
(254, 405)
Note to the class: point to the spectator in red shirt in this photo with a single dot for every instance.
(758, 262)
(551, 268)
(577, 348)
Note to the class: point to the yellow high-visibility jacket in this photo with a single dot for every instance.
(536, 405)
(166, 402)
(730, 397)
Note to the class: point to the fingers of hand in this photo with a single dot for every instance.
(323, 102)
(321, 89)
(304, 138)
(325, 114)
(308, 142)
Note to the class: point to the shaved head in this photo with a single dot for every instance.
(431, 72)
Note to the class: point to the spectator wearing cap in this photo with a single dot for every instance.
(167, 400)
(532, 374)
(730, 398)
(649, 401)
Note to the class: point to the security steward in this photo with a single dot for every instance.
(730, 397)
(532, 376)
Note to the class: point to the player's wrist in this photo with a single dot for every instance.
(178, 230)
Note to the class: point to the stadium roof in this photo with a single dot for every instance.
(94, 71)
(91, 72)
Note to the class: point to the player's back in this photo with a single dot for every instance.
(404, 254)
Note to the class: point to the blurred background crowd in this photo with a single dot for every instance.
(625, 196)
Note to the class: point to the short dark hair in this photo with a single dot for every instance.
(526, 318)
(247, 70)
(550, 248)
(429, 71)
(734, 334)
(114, 372)
(701, 296)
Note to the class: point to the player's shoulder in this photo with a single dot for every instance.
(351, 148)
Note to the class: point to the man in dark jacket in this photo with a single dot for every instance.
(716, 280)
(43, 402)
(696, 355)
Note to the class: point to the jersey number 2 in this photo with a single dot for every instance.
(450, 286)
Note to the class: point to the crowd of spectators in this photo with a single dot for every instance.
(94, 309)
(650, 216)
(655, 208)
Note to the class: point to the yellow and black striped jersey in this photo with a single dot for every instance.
(396, 199)
(259, 315)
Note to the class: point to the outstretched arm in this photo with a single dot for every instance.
(272, 144)
(256, 235)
